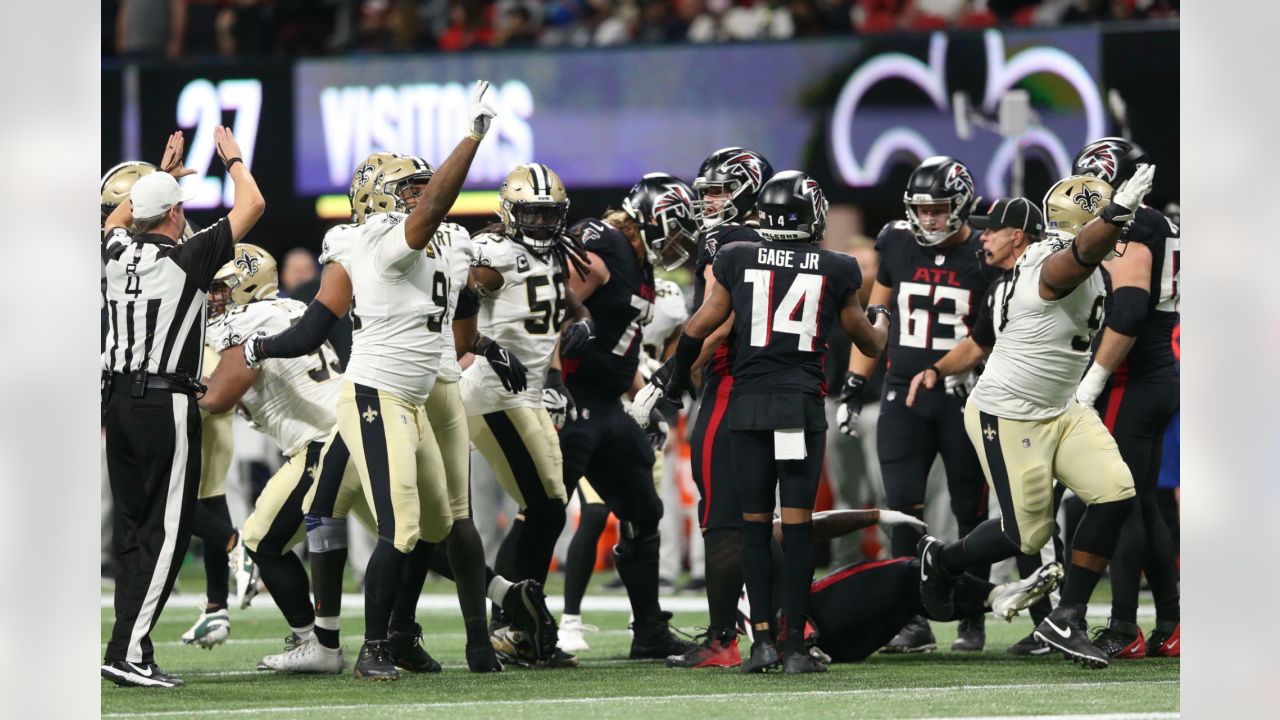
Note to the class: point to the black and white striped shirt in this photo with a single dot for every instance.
(155, 295)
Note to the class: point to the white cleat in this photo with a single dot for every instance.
(245, 572)
(306, 656)
(211, 628)
(571, 629)
(1006, 600)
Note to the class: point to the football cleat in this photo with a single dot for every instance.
(127, 674)
(716, 650)
(1162, 644)
(305, 656)
(375, 662)
(914, 637)
(1066, 631)
(245, 572)
(1029, 646)
(1119, 643)
(407, 651)
(483, 659)
(653, 639)
(1008, 599)
(763, 658)
(515, 648)
(571, 629)
(971, 635)
(799, 663)
(936, 588)
(211, 628)
(526, 606)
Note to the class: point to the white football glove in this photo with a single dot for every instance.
(1091, 385)
(1128, 198)
(893, 518)
(252, 348)
(481, 113)
(644, 403)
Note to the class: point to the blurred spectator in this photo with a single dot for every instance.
(469, 26)
(151, 28)
(518, 29)
(299, 267)
(659, 23)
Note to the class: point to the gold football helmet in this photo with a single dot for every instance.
(1073, 202)
(250, 276)
(362, 183)
(119, 180)
(393, 178)
(534, 206)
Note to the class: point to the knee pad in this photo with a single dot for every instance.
(633, 545)
(1034, 538)
(325, 534)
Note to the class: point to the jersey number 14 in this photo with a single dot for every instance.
(797, 313)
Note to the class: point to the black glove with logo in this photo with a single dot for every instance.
(506, 366)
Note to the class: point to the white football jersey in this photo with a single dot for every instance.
(669, 313)
(292, 400)
(453, 243)
(399, 297)
(523, 316)
(1042, 346)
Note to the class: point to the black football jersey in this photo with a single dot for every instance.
(619, 308)
(1152, 355)
(936, 295)
(991, 310)
(785, 297)
(709, 245)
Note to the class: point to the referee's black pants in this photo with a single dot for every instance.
(153, 462)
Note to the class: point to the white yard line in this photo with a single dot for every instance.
(660, 700)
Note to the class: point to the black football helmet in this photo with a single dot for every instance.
(1113, 159)
(938, 180)
(728, 183)
(792, 207)
(663, 207)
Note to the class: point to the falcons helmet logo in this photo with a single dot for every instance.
(1102, 160)
(958, 179)
(814, 191)
(675, 198)
(747, 165)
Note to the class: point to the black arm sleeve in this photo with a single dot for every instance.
(1128, 310)
(304, 336)
(984, 328)
(468, 304)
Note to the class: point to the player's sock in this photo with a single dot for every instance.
(636, 555)
(212, 524)
(505, 563)
(543, 523)
(382, 580)
(1160, 561)
(970, 595)
(416, 566)
(1091, 548)
(980, 570)
(326, 587)
(285, 576)
(797, 551)
(440, 563)
(580, 561)
(724, 575)
(1125, 569)
(904, 538)
(466, 556)
(497, 589)
(757, 571)
(985, 545)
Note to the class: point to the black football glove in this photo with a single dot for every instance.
(506, 366)
(850, 404)
(657, 430)
(557, 400)
(577, 337)
(875, 310)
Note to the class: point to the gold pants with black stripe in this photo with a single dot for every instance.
(1021, 458)
(336, 490)
(448, 420)
(215, 442)
(276, 524)
(523, 449)
(399, 463)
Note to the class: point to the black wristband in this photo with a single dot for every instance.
(554, 377)
(232, 161)
(1075, 255)
(935, 370)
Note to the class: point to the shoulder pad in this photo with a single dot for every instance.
(242, 321)
(337, 242)
(894, 229)
(492, 251)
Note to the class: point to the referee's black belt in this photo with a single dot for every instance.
(139, 382)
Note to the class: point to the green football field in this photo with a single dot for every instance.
(223, 683)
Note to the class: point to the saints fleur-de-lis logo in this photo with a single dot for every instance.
(248, 263)
(1087, 199)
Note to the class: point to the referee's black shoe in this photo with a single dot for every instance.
(407, 651)
(375, 663)
(127, 674)
(937, 591)
(1066, 631)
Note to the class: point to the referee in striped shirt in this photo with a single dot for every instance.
(156, 287)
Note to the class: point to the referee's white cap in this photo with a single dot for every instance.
(154, 194)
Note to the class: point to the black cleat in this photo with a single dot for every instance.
(914, 637)
(937, 590)
(1066, 631)
(407, 651)
(375, 663)
(654, 640)
(764, 657)
(514, 648)
(1029, 646)
(483, 659)
(127, 674)
(526, 606)
(971, 635)
(1121, 641)
(799, 663)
